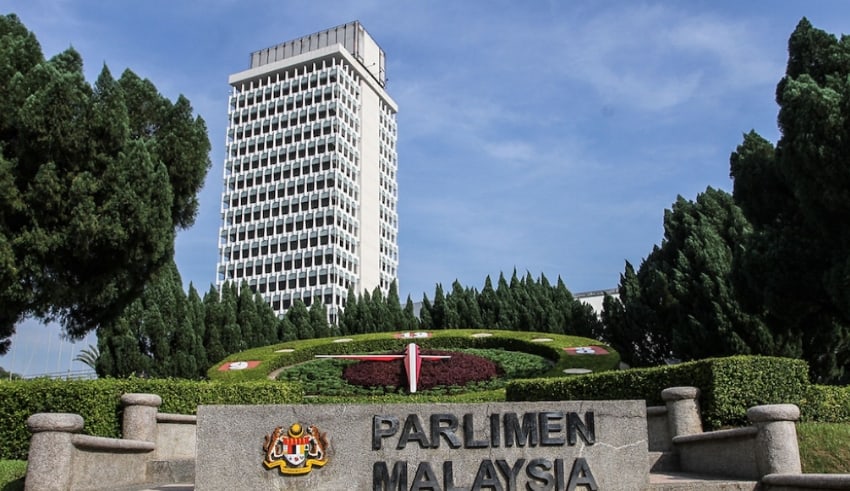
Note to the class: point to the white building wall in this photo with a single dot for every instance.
(370, 195)
(310, 188)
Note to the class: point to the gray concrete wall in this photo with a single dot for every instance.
(230, 443)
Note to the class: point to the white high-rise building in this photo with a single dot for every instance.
(310, 175)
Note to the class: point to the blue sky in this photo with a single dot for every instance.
(545, 136)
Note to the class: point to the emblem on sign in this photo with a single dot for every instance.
(295, 450)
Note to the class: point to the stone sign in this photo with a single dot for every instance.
(558, 446)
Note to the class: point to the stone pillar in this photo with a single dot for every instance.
(682, 410)
(140, 416)
(50, 462)
(776, 442)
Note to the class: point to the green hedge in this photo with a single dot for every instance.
(728, 386)
(826, 404)
(99, 402)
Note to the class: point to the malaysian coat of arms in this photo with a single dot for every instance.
(295, 450)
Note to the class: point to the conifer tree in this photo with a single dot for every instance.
(795, 267)
(96, 180)
(319, 319)
(410, 322)
(214, 321)
(299, 317)
(488, 305)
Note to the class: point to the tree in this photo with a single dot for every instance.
(796, 265)
(195, 316)
(299, 317)
(488, 304)
(94, 182)
(155, 336)
(319, 319)
(213, 325)
(88, 356)
(6, 375)
(681, 303)
(410, 321)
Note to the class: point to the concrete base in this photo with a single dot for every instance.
(676, 481)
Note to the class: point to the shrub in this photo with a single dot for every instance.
(283, 355)
(729, 386)
(459, 370)
(99, 402)
(825, 404)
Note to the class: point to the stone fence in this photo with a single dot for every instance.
(161, 448)
(766, 451)
(152, 450)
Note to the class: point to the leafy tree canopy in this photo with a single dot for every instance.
(681, 302)
(796, 265)
(94, 181)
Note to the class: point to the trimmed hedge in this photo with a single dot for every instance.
(728, 386)
(826, 404)
(99, 402)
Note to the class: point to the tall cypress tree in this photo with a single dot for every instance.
(214, 321)
(795, 267)
(319, 320)
(248, 319)
(299, 317)
(196, 321)
(488, 305)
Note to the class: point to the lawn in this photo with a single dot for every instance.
(824, 447)
(12, 474)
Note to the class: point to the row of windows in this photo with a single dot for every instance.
(326, 236)
(284, 113)
(281, 305)
(347, 92)
(298, 225)
(282, 116)
(335, 182)
(298, 211)
(246, 271)
(266, 120)
(272, 86)
(330, 140)
(273, 170)
(303, 241)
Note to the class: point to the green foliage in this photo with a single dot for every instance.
(12, 473)
(794, 267)
(88, 356)
(514, 364)
(98, 402)
(324, 377)
(287, 354)
(525, 304)
(826, 404)
(95, 180)
(6, 375)
(681, 303)
(823, 448)
(729, 386)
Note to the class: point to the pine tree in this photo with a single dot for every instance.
(95, 182)
(299, 317)
(214, 320)
(488, 305)
(794, 268)
(319, 320)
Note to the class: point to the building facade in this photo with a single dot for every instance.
(310, 174)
